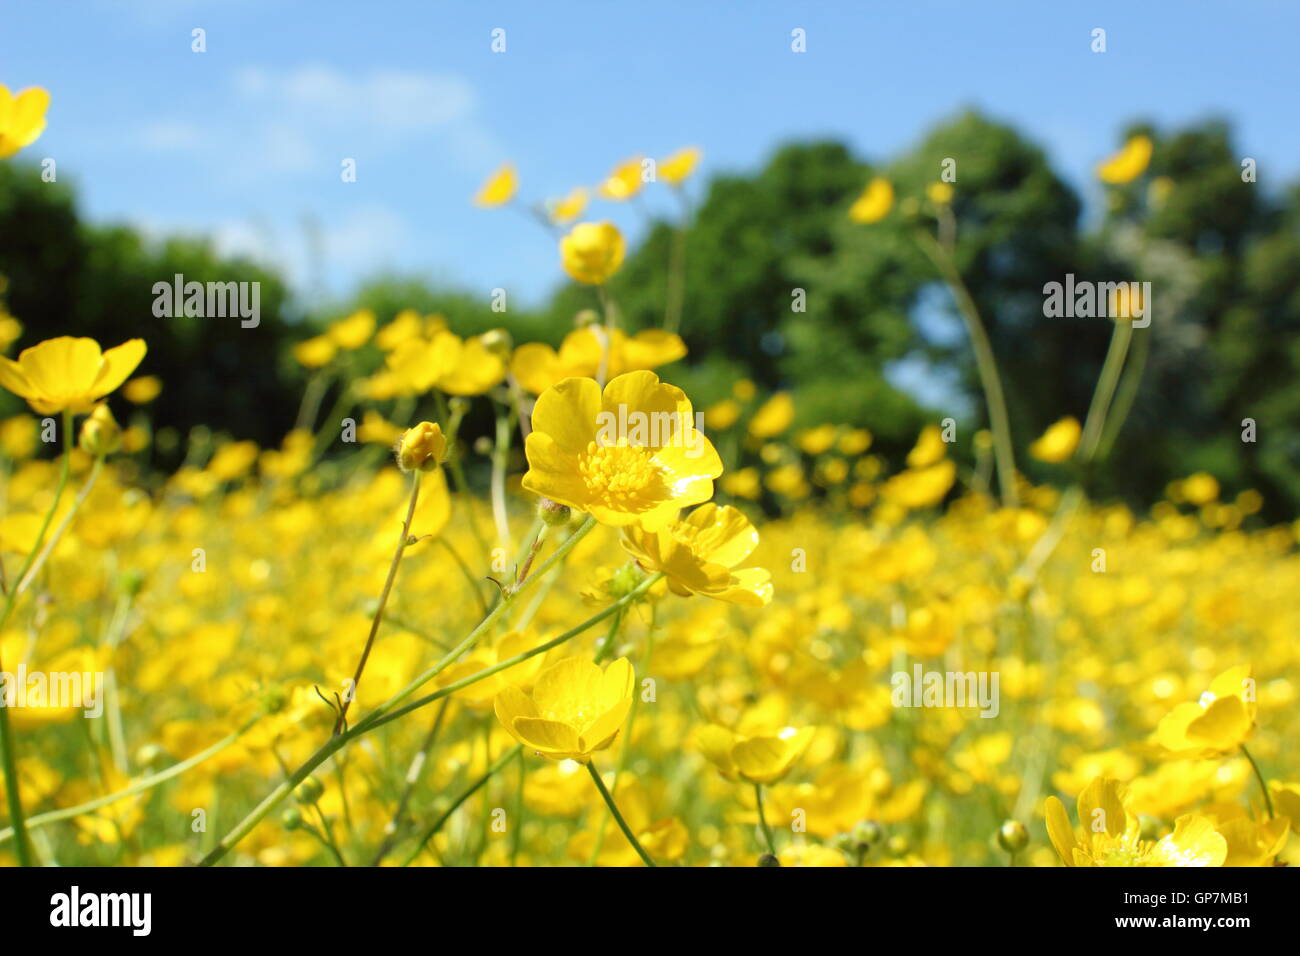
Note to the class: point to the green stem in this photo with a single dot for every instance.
(984, 362)
(618, 817)
(386, 713)
(1126, 394)
(1268, 799)
(140, 786)
(762, 819)
(383, 602)
(1105, 391)
(8, 747)
(500, 762)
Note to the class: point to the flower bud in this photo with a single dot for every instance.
(291, 819)
(1012, 836)
(100, 433)
(592, 252)
(767, 859)
(553, 513)
(421, 447)
(309, 791)
(498, 342)
(867, 833)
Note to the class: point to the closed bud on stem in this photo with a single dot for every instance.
(553, 513)
(498, 342)
(867, 833)
(1012, 836)
(767, 859)
(309, 791)
(291, 819)
(100, 433)
(421, 447)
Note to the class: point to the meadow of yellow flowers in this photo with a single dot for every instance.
(611, 657)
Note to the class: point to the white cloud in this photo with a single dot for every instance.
(171, 135)
(383, 99)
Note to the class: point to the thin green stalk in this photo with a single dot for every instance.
(1268, 799)
(448, 689)
(991, 382)
(491, 771)
(8, 747)
(1126, 394)
(618, 817)
(762, 819)
(53, 542)
(402, 544)
(385, 712)
(1106, 383)
(140, 786)
(517, 835)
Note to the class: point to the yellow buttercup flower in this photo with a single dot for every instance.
(22, 118)
(1127, 164)
(353, 331)
(874, 203)
(470, 366)
(564, 211)
(537, 366)
(592, 252)
(760, 759)
(645, 475)
(939, 193)
(499, 188)
(699, 553)
(69, 374)
(315, 352)
(575, 708)
(1111, 836)
(773, 417)
(1058, 442)
(921, 487)
(624, 182)
(929, 449)
(421, 447)
(1219, 722)
(675, 169)
(142, 390)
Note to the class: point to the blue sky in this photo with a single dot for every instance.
(244, 142)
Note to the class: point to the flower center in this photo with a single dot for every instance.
(624, 474)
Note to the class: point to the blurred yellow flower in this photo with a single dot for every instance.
(1128, 164)
(575, 708)
(22, 118)
(1058, 442)
(1219, 722)
(537, 366)
(142, 390)
(929, 449)
(773, 417)
(100, 433)
(353, 331)
(315, 352)
(564, 211)
(592, 252)
(499, 188)
(69, 374)
(676, 168)
(761, 759)
(624, 182)
(939, 193)
(874, 203)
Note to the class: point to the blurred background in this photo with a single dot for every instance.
(225, 166)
